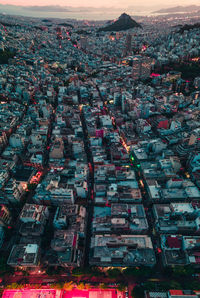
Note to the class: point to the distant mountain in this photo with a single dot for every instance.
(189, 8)
(124, 22)
(47, 8)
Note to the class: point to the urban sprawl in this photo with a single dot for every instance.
(100, 153)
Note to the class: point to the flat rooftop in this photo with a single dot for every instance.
(32, 293)
(23, 254)
(119, 217)
(93, 293)
(52, 293)
(23, 174)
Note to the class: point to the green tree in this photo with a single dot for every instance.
(50, 271)
(121, 287)
(95, 271)
(80, 286)
(167, 271)
(58, 286)
(137, 292)
(180, 271)
(139, 271)
(31, 186)
(4, 268)
(194, 285)
(25, 273)
(78, 271)
(131, 271)
(68, 286)
(103, 286)
(113, 273)
(175, 285)
(5, 56)
(15, 285)
(150, 286)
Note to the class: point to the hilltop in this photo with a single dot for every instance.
(124, 22)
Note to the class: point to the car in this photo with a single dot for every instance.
(159, 250)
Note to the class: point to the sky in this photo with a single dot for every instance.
(100, 3)
(87, 9)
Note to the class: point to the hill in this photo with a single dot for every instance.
(124, 22)
(187, 27)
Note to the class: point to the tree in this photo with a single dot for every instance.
(5, 56)
(121, 287)
(78, 271)
(113, 273)
(103, 286)
(130, 271)
(50, 271)
(180, 271)
(162, 286)
(167, 271)
(25, 273)
(175, 285)
(137, 292)
(94, 271)
(58, 286)
(4, 268)
(194, 285)
(150, 286)
(138, 271)
(31, 186)
(68, 286)
(14, 285)
(80, 286)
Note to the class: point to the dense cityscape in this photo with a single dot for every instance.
(100, 157)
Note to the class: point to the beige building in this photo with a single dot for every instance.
(57, 150)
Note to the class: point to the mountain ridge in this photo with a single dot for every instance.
(188, 8)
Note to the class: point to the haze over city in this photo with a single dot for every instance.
(114, 3)
(88, 9)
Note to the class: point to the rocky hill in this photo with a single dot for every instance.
(124, 22)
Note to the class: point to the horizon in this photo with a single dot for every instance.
(77, 10)
(102, 4)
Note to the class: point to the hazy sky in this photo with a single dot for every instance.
(99, 3)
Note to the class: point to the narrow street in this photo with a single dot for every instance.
(90, 205)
